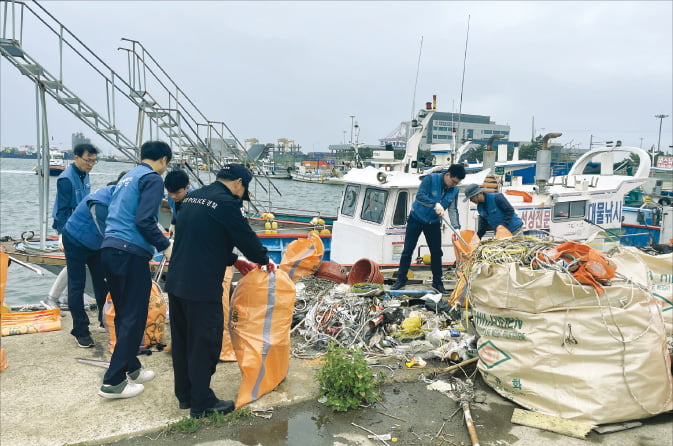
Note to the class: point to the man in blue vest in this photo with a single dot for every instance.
(494, 210)
(210, 225)
(437, 193)
(72, 185)
(177, 186)
(82, 238)
(131, 236)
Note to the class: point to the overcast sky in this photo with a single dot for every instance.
(299, 70)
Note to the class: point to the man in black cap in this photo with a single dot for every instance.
(210, 225)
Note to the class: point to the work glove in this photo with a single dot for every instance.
(168, 251)
(60, 243)
(270, 267)
(439, 209)
(243, 266)
(171, 230)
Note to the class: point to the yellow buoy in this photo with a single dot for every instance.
(426, 259)
(314, 221)
(267, 225)
(321, 221)
(314, 232)
(270, 216)
(274, 225)
(325, 232)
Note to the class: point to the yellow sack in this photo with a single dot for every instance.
(302, 257)
(155, 328)
(259, 323)
(227, 351)
(4, 264)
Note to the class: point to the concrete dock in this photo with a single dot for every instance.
(49, 398)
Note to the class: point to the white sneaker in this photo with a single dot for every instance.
(141, 376)
(126, 389)
(50, 304)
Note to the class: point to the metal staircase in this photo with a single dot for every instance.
(167, 110)
(13, 17)
(175, 115)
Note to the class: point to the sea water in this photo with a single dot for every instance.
(20, 209)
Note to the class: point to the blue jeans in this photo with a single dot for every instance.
(433, 237)
(130, 282)
(77, 258)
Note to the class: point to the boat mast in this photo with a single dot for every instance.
(413, 100)
(462, 86)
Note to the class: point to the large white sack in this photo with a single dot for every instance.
(654, 273)
(554, 346)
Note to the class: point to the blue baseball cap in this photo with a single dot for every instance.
(234, 172)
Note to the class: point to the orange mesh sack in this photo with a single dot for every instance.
(588, 265)
(4, 264)
(501, 232)
(462, 250)
(155, 327)
(259, 323)
(227, 351)
(302, 257)
(31, 322)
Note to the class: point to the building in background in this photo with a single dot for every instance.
(445, 126)
(79, 138)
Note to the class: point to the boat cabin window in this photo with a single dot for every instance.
(374, 205)
(351, 195)
(570, 210)
(400, 215)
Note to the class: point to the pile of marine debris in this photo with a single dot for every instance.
(415, 324)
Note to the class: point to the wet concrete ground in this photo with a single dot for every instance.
(411, 414)
(48, 398)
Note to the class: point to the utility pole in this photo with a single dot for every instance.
(352, 120)
(661, 120)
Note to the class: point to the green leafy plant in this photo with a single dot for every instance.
(191, 425)
(346, 381)
(186, 426)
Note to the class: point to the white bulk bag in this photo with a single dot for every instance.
(654, 273)
(554, 346)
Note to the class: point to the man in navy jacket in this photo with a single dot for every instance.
(493, 209)
(210, 224)
(72, 186)
(131, 237)
(437, 193)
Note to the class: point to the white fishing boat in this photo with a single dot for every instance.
(577, 206)
(323, 176)
(56, 162)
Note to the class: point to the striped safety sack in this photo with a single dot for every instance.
(302, 257)
(259, 324)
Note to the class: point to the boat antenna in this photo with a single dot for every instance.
(418, 68)
(413, 99)
(462, 85)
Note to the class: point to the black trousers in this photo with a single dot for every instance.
(196, 342)
(130, 282)
(77, 258)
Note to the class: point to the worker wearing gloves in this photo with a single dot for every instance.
(437, 193)
(210, 225)
(131, 236)
(494, 210)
